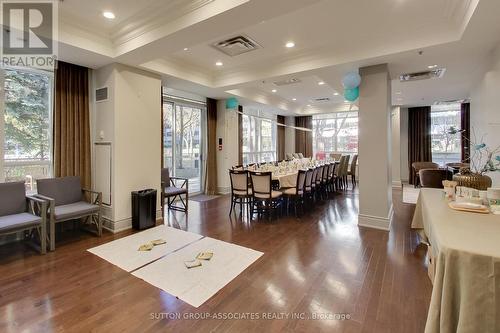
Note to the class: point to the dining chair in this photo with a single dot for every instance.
(417, 166)
(308, 186)
(296, 194)
(331, 177)
(335, 156)
(345, 171)
(352, 171)
(241, 192)
(433, 178)
(318, 181)
(264, 198)
(338, 172)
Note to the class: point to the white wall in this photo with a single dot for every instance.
(396, 147)
(131, 121)
(485, 108)
(227, 130)
(289, 135)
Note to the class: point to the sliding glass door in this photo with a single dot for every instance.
(183, 128)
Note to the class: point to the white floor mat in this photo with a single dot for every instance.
(410, 194)
(196, 285)
(123, 252)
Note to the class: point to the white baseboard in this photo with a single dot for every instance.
(376, 222)
(397, 183)
(125, 224)
(223, 190)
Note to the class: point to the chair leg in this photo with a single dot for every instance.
(232, 203)
(99, 223)
(52, 227)
(42, 232)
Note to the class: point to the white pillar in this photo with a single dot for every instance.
(375, 175)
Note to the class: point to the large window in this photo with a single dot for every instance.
(335, 133)
(446, 147)
(183, 123)
(26, 126)
(259, 138)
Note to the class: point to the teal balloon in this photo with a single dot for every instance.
(351, 80)
(351, 94)
(480, 146)
(232, 103)
(498, 158)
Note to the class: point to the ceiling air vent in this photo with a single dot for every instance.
(287, 82)
(322, 99)
(432, 74)
(237, 45)
(101, 94)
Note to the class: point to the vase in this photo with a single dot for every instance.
(473, 180)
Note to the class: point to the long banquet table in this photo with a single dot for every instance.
(466, 247)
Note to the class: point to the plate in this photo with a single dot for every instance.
(469, 207)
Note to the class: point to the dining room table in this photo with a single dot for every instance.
(465, 247)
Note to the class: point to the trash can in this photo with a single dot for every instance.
(143, 209)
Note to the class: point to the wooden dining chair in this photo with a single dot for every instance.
(264, 199)
(296, 194)
(352, 170)
(241, 191)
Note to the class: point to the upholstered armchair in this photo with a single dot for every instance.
(433, 178)
(417, 166)
(170, 191)
(21, 213)
(69, 201)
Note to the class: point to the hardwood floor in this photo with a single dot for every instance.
(321, 263)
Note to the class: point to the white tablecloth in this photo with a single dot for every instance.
(286, 181)
(466, 246)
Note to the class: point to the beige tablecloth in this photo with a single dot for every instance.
(466, 292)
(286, 181)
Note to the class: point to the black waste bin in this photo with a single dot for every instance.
(143, 209)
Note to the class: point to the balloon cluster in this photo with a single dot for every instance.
(351, 82)
(232, 103)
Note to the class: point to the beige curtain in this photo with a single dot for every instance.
(303, 139)
(72, 123)
(281, 139)
(211, 166)
(240, 135)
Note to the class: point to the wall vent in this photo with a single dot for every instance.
(322, 99)
(287, 82)
(101, 94)
(432, 74)
(237, 45)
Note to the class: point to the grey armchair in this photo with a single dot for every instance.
(67, 201)
(21, 213)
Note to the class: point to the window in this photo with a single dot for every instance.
(446, 148)
(335, 133)
(183, 126)
(259, 138)
(26, 126)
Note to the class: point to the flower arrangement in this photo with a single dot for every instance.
(482, 158)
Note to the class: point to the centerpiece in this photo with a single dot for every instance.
(482, 160)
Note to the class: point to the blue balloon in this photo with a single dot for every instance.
(351, 80)
(498, 158)
(351, 94)
(480, 146)
(232, 103)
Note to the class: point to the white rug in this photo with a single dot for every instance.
(196, 285)
(123, 252)
(410, 194)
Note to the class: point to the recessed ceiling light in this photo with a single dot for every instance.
(335, 94)
(398, 92)
(186, 49)
(219, 63)
(321, 83)
(108, 15)
(274, 90)
(432, 66)
(294, 99)
(309, 105)
(290, 44)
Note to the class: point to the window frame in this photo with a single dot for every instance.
(335, 117)
(257, 155)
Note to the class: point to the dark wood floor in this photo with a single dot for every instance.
(320, 263)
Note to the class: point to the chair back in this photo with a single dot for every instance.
(331, 171)
(239, 180)
(353, 164)
(345, 167)
(64, 190)
(301, 180)
(300, 155)
(309, 178)
(338, 170)
(424, 165)
(288, 156)
(432, 178)
(165, 177)
(12, 198)
(319, 174)
(326, 169)
(238, 167)
(261, 183)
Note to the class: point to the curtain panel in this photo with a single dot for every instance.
(280, 149)
(303, 139)
(465, 126)
(419, 138)
(211, 165)
(71, 133)
(240, 135)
